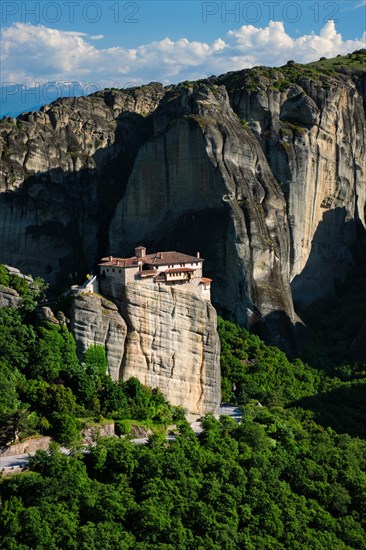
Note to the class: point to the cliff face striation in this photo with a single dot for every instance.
(217, 191)
(165, 337)
(262, 170)
(95, 320)
(62, 170)
(310, 122)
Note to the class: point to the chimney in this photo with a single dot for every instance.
(140, 251)
(198, 255)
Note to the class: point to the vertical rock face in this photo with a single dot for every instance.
(165, 337)
(62, 170)
(95, 320)
(172, 343)
(215, 190)
(313, 135)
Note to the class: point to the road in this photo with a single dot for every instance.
(15, 463)
(230, 410)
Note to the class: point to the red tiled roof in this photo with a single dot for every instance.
(171, 257)
(179, 270)
(158, 258)
(206, 280)
(119, 262)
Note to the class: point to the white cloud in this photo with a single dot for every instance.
(75, 33)
(36, 54)
(273, 46)
(97, 37)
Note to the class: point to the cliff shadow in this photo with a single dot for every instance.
(343, 409)
(210, 232)
(338, 245)
(61, 216)
(277, 329)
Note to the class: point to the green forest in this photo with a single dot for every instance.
(290, 475)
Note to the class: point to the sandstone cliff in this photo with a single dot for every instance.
(62, 170)
(95, 320)
(310, 122)
(262, 170)
(165, 337)
(217, 191)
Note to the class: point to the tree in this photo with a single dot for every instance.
(95, 361)
(9, 399)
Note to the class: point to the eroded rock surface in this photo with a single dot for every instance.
(9, 297)
(313, 133)
(165, 337)
(62, 170)
(261, 170)
(216, 190)
(95, 320)
(172, 343)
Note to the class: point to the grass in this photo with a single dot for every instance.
(282, 78)
(288, 128)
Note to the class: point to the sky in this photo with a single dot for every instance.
(112, 43)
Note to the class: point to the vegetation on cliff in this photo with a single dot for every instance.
(292, 475)
(262, 78)
(44, 387)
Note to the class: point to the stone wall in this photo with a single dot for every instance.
(29, 445)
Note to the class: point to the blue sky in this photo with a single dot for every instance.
(132, 23)
(123, 43)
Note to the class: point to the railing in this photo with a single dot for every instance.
(90, 285)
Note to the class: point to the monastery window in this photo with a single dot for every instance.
(120, 271)
(107, 270)
(113, 270)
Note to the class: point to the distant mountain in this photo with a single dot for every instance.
(18, 98)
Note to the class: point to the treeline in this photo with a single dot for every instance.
(335, 395)
(277, 480)
(287, 477)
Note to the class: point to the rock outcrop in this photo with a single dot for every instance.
(311, 126)
(62, 170)
(172, 343)
(95, 320)
(9, 297)
(215, 191)
(165, 337)
(261, 170)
